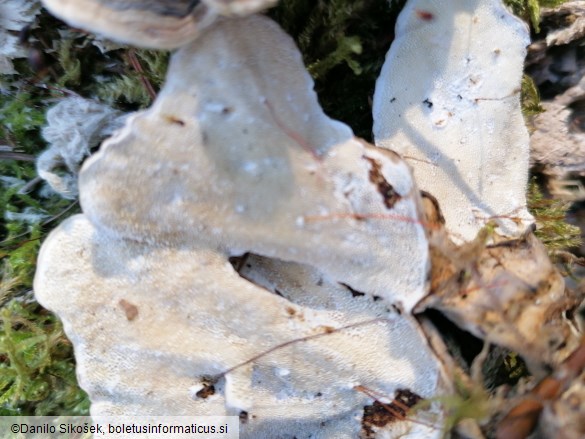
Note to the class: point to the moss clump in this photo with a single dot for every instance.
(143, 75)
(469, 401)
(530, 98)
(529, 10)
(37, 372)
(37, 376)
(550, 215)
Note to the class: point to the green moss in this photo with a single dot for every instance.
(133, 85)
(21, 116)
(515, 367)
(344, 44)
(550, 215)
(530, 98)
(529, 10)
(469, 401)
(343, 53)
(37, 376)
(37, 373)
(69, 62)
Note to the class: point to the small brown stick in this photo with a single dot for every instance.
(291, 133)
(20, 156)
(365, 216)
(428, 162)
(327, 331)
(514, 93)
(138, 67)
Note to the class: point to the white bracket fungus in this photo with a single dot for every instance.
(239, 7)
(448, 100)
(155, 327)
(154, 24)
(236, 156)
(236, 152)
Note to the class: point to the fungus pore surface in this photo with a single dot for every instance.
(236, 152)
(448, 100)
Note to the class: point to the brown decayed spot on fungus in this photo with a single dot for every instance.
(388, 193)
(129, 309)
(380, 414)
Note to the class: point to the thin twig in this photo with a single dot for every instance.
(299, 340)
(138, 67)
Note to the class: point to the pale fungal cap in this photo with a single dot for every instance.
(152, 24)
(74, 126)
(448, 100)
(239, 7)
(151, 323)
(14, 15)
(157, 24)
(237, 152)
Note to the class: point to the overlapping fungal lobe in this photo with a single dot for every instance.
(237, 153)
(239, 7)
(152, 24)
(155, 328)
(448, 100)
(157, 24)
